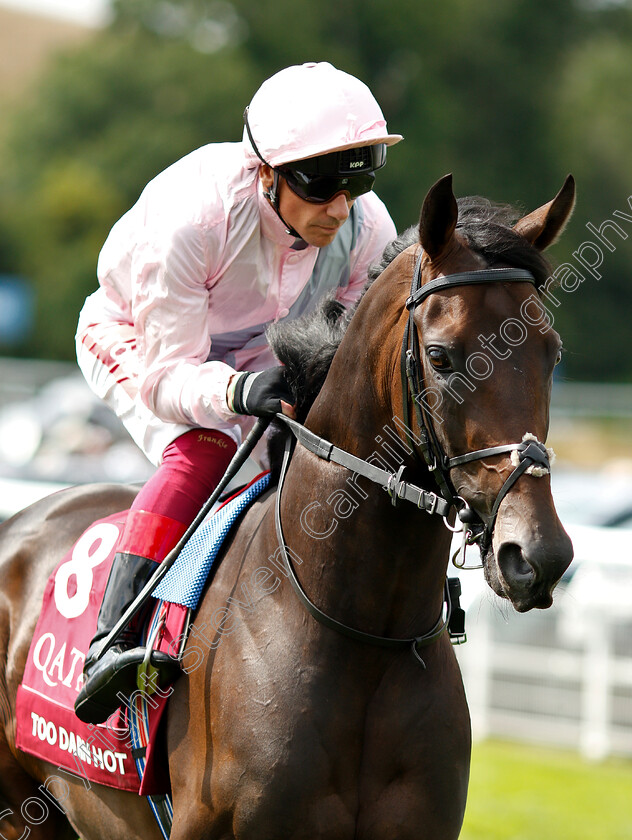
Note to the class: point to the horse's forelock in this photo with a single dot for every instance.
(488, 229)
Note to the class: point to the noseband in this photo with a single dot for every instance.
(530, 453)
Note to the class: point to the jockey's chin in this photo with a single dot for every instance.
(317, 224)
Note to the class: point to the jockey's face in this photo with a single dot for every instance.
(317, 224)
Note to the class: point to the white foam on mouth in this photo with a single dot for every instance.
(534, 470)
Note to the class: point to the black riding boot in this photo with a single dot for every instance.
(114, 676)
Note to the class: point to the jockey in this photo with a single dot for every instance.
(227, 240)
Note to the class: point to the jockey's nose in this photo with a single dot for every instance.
(339, 206)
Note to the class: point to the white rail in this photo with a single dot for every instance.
(560, 677)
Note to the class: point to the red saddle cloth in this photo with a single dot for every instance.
(47, 726)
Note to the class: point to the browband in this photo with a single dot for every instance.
(469, 278)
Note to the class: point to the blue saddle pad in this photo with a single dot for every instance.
(184, 582)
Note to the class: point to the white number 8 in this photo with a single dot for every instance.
(90, 550)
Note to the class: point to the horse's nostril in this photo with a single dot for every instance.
(516, 570)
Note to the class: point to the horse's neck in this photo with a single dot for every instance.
(364, 561)
(370, 563)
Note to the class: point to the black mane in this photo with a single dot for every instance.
(488, 230)
(307, 346)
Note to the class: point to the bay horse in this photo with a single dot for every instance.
(294, 727)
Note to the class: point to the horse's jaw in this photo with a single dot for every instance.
(530, 552)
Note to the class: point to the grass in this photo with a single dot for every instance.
(528, 793)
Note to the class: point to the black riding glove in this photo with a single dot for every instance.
(259, 394)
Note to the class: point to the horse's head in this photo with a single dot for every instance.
(485, 353)
(476, 365)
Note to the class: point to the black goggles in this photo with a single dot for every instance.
(319, 189)
(320, 178)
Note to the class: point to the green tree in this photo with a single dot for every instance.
(57, 235)
(507, 96)
(592, 134)
(104, 121)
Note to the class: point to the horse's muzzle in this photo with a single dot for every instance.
(527, 573)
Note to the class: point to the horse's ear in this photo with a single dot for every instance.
(438, 217)
(544, 225)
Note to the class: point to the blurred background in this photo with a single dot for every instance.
(97, 97)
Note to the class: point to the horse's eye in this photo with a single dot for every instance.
(558, 358)
(438, 358)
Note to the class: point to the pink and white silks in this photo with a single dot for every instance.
(190, 277)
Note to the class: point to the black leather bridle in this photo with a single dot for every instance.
(530, 453)
(477, 527)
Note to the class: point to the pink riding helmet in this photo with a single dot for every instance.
(309, 110)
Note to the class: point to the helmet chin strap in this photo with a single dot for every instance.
(272, 194)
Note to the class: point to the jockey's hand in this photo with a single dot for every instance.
(261, 394)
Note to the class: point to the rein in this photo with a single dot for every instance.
(391, 482)
(530, 454)
(415, 642)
